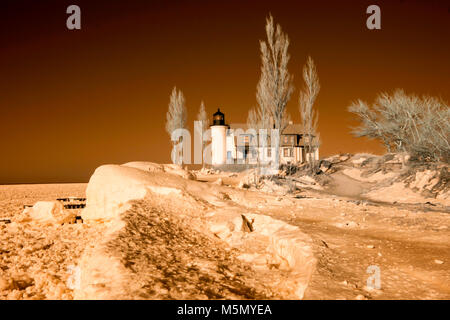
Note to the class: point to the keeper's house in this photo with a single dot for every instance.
(238, 144)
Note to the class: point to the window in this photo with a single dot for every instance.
(292, 140)
(305, 139)
(285, 139)
(288, 152)
(269, 152)
(228, 154)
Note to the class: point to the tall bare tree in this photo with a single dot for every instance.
(275, 86)
(254, 123)
(253, 120)
(177, 114)
(203, 118)
(309, 115)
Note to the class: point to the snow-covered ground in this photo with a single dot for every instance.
(35, 257)
(159, 232)
(279, 255)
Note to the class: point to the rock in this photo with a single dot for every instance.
(324, 165)
(370, 246)
(271, 187)
(190, 176)
(50, 212)
(224, 196)
(438, 261)
(219, 182)
(243, 185)
(349, 224)
(360, 297)
(205, 171)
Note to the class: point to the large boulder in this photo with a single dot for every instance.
(324, 166)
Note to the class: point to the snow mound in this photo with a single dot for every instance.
(429, 185)
(392, 177)
(50, 212)
(290, 246)
(425, 180)
(168, 168)
(145, 166)
(153, 215)
(273, 244)
(270, 186)
(111, 187)
(379, 176)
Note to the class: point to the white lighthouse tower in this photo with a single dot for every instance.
(218, 139)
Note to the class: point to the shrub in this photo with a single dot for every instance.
(406, 123)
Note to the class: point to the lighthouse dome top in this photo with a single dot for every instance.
(218, 118)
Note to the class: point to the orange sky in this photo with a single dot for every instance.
(73, 100)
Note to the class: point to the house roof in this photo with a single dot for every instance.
(294, 128)
(242, 126)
